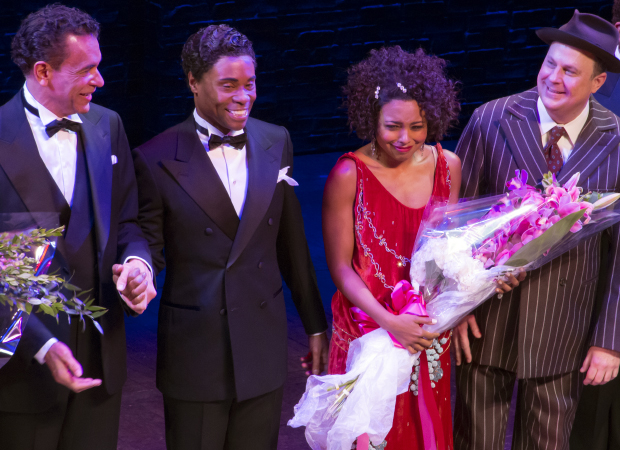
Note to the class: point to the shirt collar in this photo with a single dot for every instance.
(618, 52)
(212, 130)
(45, 114)
(572, 128)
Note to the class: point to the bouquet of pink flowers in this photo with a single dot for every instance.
(462, 249)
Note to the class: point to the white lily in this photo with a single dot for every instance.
(606, 201)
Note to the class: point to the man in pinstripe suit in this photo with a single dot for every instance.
(541, 333)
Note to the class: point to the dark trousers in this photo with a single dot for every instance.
(597, 423)
(224, 425)
(88, 420)
(544, 413)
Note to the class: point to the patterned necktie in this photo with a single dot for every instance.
(552, 152)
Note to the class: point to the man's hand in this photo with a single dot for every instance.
(460, 338)
(317, 356)
(66, 370)
(601, 365)
(509, 281)
(134, 283)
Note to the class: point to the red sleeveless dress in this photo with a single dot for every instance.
(385, 233)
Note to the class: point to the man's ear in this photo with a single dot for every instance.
(192, 82)
(42, 73)
(598, 81)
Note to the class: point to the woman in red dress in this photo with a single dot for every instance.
(372, 208)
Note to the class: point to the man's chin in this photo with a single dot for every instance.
(236, 125)
(83, 109)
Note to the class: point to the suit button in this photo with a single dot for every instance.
(223, 312)
(562, 281)
(263, 304)
(270, 221)
(260, 265)
(208, 231)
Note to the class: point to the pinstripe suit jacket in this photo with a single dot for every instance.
(545, 326)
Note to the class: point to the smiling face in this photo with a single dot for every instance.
(68, 89)
(225, 94)
(565, 82)
(401, 129)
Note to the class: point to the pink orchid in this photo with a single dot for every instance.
(504, 256)
(519, 181)
(531, 234)
(533, 198)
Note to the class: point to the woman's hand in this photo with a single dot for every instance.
(407, 330)
(510, 281)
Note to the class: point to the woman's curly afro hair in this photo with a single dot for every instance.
(422, 75)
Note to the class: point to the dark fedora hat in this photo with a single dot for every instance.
(587, 32)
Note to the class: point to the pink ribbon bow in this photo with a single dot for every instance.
(405, 300)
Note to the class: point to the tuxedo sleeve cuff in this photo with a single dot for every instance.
(318, 334)
(129, 258)
(40, 355)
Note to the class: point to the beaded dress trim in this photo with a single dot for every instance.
(364, 215)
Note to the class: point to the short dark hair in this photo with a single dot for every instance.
(615, 12)
(424, 78)
(599, 67)
(204, 48)
(42, 35)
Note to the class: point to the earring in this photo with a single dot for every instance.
(373, 149)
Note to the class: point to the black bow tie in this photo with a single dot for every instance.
(54, 126)
(63, 124)
(237, 142)
(215, 141)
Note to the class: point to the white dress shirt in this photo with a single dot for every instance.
(230, 164)
(59, 154)
(573, 128)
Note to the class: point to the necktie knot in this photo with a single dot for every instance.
(553, 154)
(555, 134)
(63, 124)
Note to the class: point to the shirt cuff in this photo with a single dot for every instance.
(40, 355)
(129, 258)
(318, 334)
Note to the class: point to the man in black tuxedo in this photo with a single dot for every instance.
(59, 153)
(215, 198)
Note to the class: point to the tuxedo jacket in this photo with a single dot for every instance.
(27, 186)
(222, 318)
(546, 325)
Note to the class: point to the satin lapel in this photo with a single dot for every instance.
(20, 160)
(195, 173)
(263, 166)
(98, 153)
(524, 140)
(593, 145)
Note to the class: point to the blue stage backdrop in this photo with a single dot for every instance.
(304, 48)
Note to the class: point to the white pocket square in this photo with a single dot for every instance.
(114, 159)
(283, 176)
